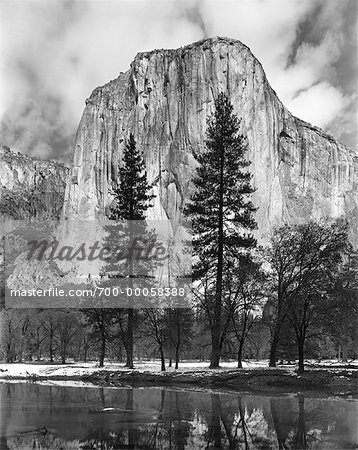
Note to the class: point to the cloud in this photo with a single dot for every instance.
(317, 83)
(36, 77)
(309, 52)
(326, 104)
(54, 53)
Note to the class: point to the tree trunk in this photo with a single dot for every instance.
(22, 346)
(214, 431)
(300, 440)
(177, 348)
(216, 324)
(239, 355)
(51, 346)
(130, 325)
(129, 339)
(301, 365)
(215, 348)
(244, 427)
(345, 352)
(24, 328)
(281, 435)
(162, 359)
(38, 345)
(126, 350)
(274, 345)
(103, 350)
(63, 352)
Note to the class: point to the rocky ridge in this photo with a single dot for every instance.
(30, 187)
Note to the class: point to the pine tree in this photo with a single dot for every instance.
(131, 200)
(221, 210)
(131, 195)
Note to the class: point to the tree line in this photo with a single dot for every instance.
(293, 298)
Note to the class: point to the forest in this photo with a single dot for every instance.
(287, 300)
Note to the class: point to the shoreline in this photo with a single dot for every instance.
(320, 380)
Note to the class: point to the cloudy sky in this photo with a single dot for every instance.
(54, 53)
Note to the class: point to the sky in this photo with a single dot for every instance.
(53, 53)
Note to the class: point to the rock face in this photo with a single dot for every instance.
(165, 98)
(30, 187)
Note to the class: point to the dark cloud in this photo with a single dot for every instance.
(33, 126)
(306, 31)
(35, 119)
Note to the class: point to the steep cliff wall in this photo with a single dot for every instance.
(165, 98)
(30, 187)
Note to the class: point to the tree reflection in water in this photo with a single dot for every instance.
(47, 417)
(300, 440)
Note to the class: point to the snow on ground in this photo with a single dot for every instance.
(31, 370)
(65, 383)
(79, 369)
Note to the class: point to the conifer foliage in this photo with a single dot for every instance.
(221, 211)
(132, 194)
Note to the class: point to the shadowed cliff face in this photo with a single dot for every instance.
(165, 98)
(29, 187)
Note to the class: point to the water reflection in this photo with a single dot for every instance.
(48, 417)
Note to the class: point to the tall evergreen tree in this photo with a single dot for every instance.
(132, 195)
(131, 200)
(221, 211)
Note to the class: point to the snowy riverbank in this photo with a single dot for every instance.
(327, 376)
(79, 369)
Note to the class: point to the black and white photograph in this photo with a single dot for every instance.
(179, 224)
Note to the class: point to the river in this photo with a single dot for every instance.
(54, 416)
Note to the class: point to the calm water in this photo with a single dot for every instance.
(58, 417)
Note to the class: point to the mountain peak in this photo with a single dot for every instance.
(206, 43)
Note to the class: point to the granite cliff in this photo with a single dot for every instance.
(30, 187)
(299, 171)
